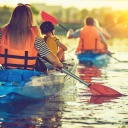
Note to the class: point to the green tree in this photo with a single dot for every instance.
(58, 15)
(34, 10)
(82, 14)
(5, 13)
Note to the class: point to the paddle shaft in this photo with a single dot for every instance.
(74, 76)
(94, 88)
(70, 74)
(47, 17)
(115, 58)
(63, 27)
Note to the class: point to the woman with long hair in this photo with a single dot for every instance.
(21, 41)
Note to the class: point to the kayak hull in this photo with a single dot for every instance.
(90, 59)
(20, 85)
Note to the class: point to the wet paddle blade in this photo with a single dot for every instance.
(98, 89)
(47, 17)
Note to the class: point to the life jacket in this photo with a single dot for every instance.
(19, 58)
(89, 40)
(52, 45)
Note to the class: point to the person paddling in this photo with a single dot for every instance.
(89, 38)
(21, 41)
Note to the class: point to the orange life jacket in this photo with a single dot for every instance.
(89, 40)
(15, 58)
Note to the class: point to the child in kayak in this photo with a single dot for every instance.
(53, 43)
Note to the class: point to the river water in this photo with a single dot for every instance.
(78, 109)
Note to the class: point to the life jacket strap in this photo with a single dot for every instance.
(23, 66)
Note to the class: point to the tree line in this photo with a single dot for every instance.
(115, 21)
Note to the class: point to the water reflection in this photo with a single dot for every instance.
(97, 99)
(88, 73)
(101, 99)
(45, 113)
(84, 111)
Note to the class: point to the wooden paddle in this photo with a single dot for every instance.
(95, 88)
(47, 17)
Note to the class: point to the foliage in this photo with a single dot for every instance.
(34, 10)
(5, 13)
(115, 21)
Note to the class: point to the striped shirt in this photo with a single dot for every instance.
(41, 46)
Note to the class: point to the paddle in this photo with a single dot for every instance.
(115, 58)
(47, 17)
(95, 88)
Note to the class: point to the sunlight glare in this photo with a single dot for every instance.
(80, 4)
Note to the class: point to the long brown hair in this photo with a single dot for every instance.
(18, 29)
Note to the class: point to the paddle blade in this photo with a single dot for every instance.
(47, 17)
(98, 89)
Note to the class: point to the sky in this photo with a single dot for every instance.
(80, 4)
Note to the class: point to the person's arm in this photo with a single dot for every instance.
(72, 34)
(106, 34)
(103, 41)
(102, 37)
(44, 51)
(60, 45)
(102, 30)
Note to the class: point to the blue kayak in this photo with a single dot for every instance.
(18, 85)
(95, 59)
